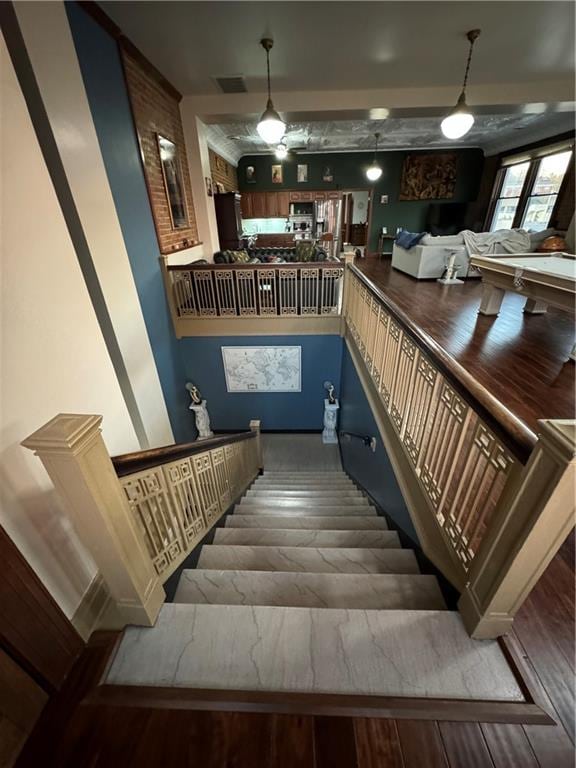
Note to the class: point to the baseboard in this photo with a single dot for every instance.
(94, 604)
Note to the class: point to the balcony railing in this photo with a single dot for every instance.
(211, 295)
(477, 480)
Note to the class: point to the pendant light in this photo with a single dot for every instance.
(281, 150)
(374, 171)
(271, 127)
(460, 120)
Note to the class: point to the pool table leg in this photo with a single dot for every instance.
(491, 299)
(533, 307)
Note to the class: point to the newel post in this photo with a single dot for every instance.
(349, 257)
(255, 427)
(74, 454)
(525, 534)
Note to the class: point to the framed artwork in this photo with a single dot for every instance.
(209, 191)
(428, 177)
(302, 174)
(263, 369)
(172, 175)
(277, 177)
(327, 174)
(250, 174)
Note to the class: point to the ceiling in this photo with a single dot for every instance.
(490, 132)
(354, 44)
(344, 47)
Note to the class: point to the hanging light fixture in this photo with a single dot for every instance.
(281, 150)
(374, 171)
(271, 127)
(460, 120)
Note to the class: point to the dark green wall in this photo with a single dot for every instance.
(349, 171)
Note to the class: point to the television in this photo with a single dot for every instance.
(446, 218)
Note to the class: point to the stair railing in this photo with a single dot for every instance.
(490, 500)
(140, 514)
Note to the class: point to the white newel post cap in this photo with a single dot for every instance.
(65, 433)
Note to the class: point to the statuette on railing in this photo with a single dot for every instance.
(200, 408)
(331, 407)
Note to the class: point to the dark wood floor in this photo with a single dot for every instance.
(75, 735)
(521, 359)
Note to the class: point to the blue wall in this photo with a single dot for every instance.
(108, 98)
(372, 470)
(321, 361)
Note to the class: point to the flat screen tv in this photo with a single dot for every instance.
(446, 218)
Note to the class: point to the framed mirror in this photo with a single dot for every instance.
(172, 174)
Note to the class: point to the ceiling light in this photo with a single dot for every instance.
(281, 151)
(271, 127)
(460, 120)
(374, 172)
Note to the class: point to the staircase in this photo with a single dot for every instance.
(305, 590)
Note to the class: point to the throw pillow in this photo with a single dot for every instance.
(305, 251)
(240, 257)
(408, 240)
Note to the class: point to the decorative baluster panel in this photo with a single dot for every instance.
(401, 393)
(207, 487)
(225, 294)
(267, 292)
(221, 477)
(372, 333)
(288, 289)
(206, 298)
(389, 360)
(183, 294)
(179, 477)
(149, 501)
(309, 280)
(331, 291)
(246, 292)
(421, 410)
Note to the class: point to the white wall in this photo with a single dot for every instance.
(52, 354)
(51, 50)
(360, 209)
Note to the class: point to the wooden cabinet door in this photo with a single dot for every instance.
(259, 205)
(319, 195)
(283, 204)
(246, 205)
(306, 197)
(333, 195)
(295, 197)
(271, 205)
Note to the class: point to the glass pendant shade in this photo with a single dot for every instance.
(271, 127)
(374, 172)
(459, 121)
(281, 151)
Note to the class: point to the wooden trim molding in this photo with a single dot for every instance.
(94, 604)
(127, 463)
(509, 428)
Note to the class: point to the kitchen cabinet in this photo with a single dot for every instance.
(259, 205)
(283, 201)
(319, 196)
(271, 205)
(301, 197)
(246, 205)
(228, 219)
(333, 195)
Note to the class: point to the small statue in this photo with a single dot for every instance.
(194, 393)
(331, 395)
(331, 407)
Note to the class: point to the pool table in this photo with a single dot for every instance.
(544, 279)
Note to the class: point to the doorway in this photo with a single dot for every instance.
(356, 217)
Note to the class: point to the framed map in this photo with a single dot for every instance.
(262, 369)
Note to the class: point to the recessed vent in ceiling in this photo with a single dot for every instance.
(231, 84)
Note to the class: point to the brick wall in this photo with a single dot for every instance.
(155, 110)
(223, 172)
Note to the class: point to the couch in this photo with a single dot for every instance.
(428, 259)
(272, 255)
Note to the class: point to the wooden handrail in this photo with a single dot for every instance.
(517, 437)
(330, 264)
(128, 463)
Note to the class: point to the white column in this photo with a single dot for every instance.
(74, 454)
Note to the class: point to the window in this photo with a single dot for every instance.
(526, 192)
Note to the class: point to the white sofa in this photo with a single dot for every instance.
(428, 259)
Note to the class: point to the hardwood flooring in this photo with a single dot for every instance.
(522, 359)
(72, 734)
